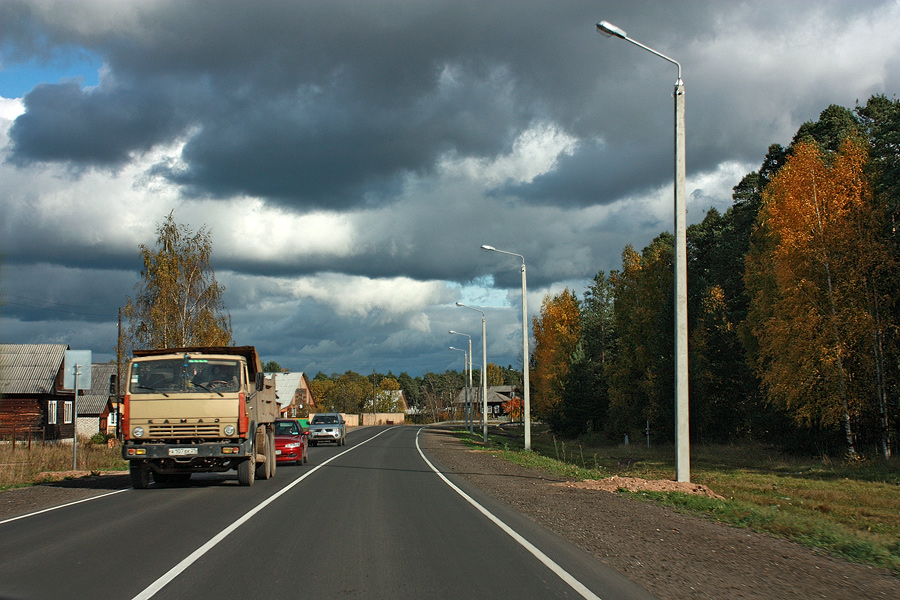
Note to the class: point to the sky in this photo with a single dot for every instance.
(351, 158)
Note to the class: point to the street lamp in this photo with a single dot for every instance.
(527, 388)
(465, 359)
(682, 431)
(483, 369)
(469, 387)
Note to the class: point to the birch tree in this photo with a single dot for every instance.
(814, 275)
(178, 301)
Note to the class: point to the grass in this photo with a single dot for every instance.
(20, 465)
(847, 509)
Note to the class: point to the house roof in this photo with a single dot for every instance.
(495, 393)
(94, 400)
(286, 385)
(30, 368)
(399, 396)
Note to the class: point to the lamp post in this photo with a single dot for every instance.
(469, 387)
(465, 359)
(483, 369)
(682, 431)
(526, 408)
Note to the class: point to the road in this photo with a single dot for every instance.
(374, 519)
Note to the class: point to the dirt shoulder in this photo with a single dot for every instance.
(670, 554)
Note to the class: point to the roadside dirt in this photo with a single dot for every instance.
(670, 554)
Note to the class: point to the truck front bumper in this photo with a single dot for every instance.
(187, 452)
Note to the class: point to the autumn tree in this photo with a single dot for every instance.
(815, 274)
(556, 334)
(641, 381)
(585, 397)
(178, 301)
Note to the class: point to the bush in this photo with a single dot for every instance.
(100, 439)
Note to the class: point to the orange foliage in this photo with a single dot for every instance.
(813, 274)
(556, 334)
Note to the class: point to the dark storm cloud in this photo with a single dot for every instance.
(322, 104)
(593, 174)
(64, 123)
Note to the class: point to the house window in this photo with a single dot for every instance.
(51, 412)
(67, 412)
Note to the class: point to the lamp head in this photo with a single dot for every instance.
(486, 247)
(609, 30)
(459, 303)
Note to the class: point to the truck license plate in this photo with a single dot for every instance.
(182, 451)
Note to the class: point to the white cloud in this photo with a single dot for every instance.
(362, 296)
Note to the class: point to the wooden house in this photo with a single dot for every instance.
(33, 402)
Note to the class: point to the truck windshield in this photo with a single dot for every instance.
(188, 375)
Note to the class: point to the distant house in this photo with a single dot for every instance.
(95, 408)
(33, 402)
(497, 395)
(295, 399)
(399, 399)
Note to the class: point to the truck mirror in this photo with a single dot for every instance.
(260, 381)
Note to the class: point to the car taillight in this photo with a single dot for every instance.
(125, 429)
(243, 421)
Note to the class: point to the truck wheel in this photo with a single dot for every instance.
(272, 460)
(162, 478)
(246, 471)
(262, 445)
(140, 475)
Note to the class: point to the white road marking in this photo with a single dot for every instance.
(535, 551)
(175, 571)
(38, 512)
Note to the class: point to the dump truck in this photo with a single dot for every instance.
(198, 410)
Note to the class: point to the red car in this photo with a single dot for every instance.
(291, 442)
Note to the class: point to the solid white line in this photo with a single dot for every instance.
(62, 506)
(175, 571)
(548, 562)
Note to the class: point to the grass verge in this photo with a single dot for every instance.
(847, 509)
(20, 465)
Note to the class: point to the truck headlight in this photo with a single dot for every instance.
(138, 432)
(229, 430)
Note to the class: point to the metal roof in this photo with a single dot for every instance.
(30, 368)
(286, 385)
(94, 400)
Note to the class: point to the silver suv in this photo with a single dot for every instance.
(327, 427)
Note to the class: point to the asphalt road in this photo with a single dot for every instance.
(374, 519)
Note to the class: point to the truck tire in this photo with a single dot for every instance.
(140, 475)
(262, 446)
(273, 461)
(246, 472)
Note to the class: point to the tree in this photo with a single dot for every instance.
(495, 375)
(642, 381)
(178, 302)
(815, 274)
(556, 334)
(585, 398)
(272, 367)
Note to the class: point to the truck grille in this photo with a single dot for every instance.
(181, 430)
